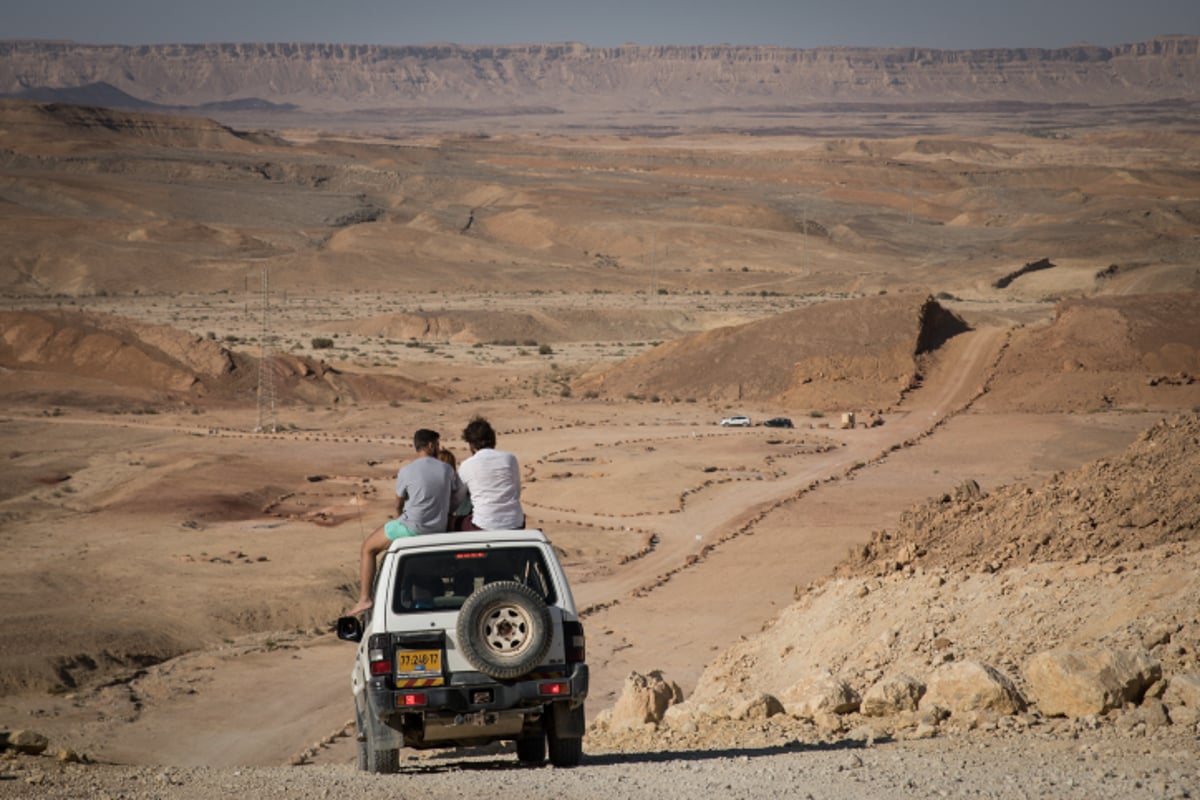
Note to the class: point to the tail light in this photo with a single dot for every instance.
(379, 654)
(576, 643)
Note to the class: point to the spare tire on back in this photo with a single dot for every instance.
(504, 629)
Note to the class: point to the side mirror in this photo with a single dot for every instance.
(349, 629)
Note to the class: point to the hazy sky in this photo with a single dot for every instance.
(952, 24)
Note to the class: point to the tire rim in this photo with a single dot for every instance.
(506, 629)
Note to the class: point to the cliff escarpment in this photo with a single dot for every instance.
(335, 77)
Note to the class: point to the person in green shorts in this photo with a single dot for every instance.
(425, 488)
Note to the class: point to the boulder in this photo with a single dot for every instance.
(28, 742)
(820, 694)
(891, 695)
(1079, 683)
(968, 686)
(761, 706)
(644, 699)
(1147, 718)
(1183, 690)
(1182, 699)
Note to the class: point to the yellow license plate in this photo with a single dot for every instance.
(419, 663)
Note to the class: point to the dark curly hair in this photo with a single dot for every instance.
(479, 434)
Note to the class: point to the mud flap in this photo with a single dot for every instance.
(568, 721)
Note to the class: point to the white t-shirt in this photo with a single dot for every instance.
(494, 480)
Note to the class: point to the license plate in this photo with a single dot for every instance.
(418, 663)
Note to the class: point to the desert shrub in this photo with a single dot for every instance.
(545, 349)
(321, 343)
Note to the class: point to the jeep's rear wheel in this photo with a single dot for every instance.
(504, 629)
(373, 759)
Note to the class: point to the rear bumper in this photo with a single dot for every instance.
(471, 693)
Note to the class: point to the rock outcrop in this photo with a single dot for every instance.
(644, 700)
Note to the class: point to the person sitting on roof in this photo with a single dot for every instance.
(424, 488)
(493, 479)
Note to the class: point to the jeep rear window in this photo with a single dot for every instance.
(443, 580)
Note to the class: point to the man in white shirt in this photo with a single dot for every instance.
(493, 479)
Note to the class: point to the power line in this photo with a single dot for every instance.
(267, 420)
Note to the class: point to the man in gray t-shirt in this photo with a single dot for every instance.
(424, 488)
(423, 491)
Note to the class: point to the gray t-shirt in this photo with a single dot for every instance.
(426, 485)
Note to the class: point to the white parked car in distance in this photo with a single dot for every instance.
(736, 421)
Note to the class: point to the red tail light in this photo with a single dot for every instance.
(379, 655)
(554, 688)
(411, 699)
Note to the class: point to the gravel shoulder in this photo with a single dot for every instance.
(1088, 764)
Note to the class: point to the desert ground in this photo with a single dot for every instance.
(216, 343)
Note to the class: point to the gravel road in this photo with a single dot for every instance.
(1030, 766)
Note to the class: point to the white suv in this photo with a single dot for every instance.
(737, 421)
(473, 638)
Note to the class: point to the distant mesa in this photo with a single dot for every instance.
(483, 79)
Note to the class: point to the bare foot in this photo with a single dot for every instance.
(360, 607)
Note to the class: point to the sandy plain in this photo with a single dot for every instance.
(175, 553)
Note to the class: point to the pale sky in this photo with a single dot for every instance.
(947, 24)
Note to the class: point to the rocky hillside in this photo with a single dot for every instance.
(1033, 610)
(540, 77)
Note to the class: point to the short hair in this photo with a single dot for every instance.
(479, 434)
(425, 437)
